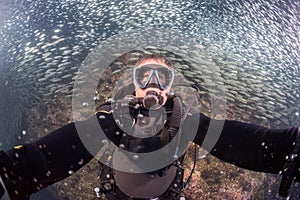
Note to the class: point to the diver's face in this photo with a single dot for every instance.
(153, 82)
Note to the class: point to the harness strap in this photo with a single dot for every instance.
(290, 168)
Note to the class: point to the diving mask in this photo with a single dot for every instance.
(145, 74)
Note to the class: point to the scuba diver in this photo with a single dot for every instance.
(148, 120)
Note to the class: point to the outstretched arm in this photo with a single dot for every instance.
(28, 168)
(247, 145)
(254, 147)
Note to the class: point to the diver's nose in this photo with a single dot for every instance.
(153, 79)
(153, 83)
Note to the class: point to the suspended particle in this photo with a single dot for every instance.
(85, 104)
(24, 132)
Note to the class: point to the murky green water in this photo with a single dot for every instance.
(254, 44)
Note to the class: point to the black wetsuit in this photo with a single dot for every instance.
(28, 168)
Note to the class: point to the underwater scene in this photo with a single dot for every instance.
(242, 55)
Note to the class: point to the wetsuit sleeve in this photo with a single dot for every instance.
(247, 145)
(26, 169)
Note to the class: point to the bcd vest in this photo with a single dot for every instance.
(149, 133)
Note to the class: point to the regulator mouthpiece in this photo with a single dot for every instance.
(152, 101)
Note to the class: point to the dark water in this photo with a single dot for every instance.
(254, 43)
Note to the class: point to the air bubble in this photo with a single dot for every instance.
(97, 190)
(96, 98)
(102, 117)
(151, 176)
(48, 173)
(81, 162)
(104, 141)
(135, 157)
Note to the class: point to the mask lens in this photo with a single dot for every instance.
(142, 76)
(165, 77)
